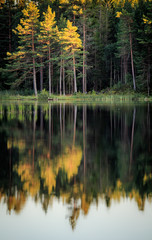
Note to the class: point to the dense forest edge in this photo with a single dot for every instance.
(81, 49)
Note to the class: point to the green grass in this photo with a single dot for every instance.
(15, 95)
(104, 96)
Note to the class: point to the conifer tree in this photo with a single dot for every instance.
(126, 17)
(84, 4)
(72, 45)
(71, 6)
(62, 56)
(27, 31)
(1, 3)
(144, 47)
(123, 48)
(46, 37)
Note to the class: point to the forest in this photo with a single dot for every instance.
(65, 47)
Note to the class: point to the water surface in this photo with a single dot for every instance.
(75, 171)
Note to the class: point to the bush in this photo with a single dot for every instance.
(93, 92)
(43, 94)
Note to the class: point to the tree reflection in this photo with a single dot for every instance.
(76, 153)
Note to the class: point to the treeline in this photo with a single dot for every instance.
(67, 46)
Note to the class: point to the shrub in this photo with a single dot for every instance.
(43, 94)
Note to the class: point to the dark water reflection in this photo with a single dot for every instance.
(78, 154)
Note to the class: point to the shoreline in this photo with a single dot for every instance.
(79, 97)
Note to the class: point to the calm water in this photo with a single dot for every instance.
(75, 171)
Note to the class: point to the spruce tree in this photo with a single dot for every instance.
(126, 18)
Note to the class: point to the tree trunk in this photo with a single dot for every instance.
(10, 30)
(60, 78)
(52, 76)
(84, 55)
(114, 75)
(69, 84)
(111, 72)
(50, 71)
(34, 77)
(95, 63)
(74, 72)
(125, 69)
(132, 62)
(148, 73)
(63, 79)
(41, 75)
(34, 71)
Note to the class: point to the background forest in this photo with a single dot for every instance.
(66, 46)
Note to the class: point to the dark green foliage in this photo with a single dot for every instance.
(108, 28)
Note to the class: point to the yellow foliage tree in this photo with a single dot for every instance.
(27, 30)
(47, 34)
(72, 43)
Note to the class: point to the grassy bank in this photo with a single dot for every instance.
(109, 96)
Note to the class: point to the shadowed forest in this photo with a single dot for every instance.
(64, 47)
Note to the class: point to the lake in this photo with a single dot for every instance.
(75, 171)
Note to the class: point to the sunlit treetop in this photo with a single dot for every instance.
(48, 29)
(31, 11)
(70, 38)
(78, 3)
(29, 21)
(73, 5)
(121, 3)
(49, 21)
(85, 1)
(64, 1)
(1, 3)
(76, 6)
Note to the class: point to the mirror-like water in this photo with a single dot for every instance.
(75, 171)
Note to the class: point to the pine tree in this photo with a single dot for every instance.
(62, 56)
(46, 37)
(84, 4)
(72, 45)
(27, 32)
